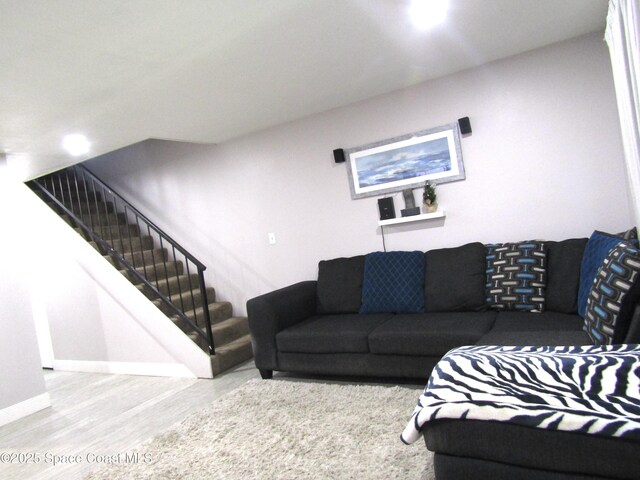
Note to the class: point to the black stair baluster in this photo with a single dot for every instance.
(205, 310)
(175, 268)
(118, 226)
(95, 200)
(133, 257)
(155, 268)
(193, 302)
(61, 192)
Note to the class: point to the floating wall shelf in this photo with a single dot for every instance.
(412, 218)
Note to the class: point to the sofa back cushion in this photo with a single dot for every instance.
(455, 279)
(563, 274)
(340, 285)
(393, 283)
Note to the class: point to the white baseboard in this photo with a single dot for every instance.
(22, 409)
(124, 368)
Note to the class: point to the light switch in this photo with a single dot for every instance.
(272, 238)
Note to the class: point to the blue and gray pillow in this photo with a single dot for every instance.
(613, 295)
(516, 276)
(596, 250)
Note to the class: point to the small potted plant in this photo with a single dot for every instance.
(429, 197)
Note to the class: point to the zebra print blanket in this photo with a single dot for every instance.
(587, 389)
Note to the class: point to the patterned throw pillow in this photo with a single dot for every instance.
(613, 296)
(393, 283)
(517, 276)
(598, 246)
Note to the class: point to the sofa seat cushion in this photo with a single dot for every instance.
(429, 333)
(532, 322)
(346, 333)
(455, 278)
(537, 329)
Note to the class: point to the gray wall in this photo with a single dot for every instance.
(544, 161)
(21, 376)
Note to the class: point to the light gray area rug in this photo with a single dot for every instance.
(280, 429)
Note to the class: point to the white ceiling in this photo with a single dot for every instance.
(121, 71)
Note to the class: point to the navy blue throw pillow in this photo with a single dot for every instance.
(598, 247)
(393, 283)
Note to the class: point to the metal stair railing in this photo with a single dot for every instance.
(90, 203)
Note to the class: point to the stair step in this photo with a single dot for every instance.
(135, 244)
(160, 270)
(230, 330)
(72, 195)
(189, 303)
(174, 285)
(218, 312)
(84, 207)
(231, 354)
(117, 231)
(137, 258)
(99, 220)
(225, 332)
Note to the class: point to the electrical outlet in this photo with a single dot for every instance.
(272, 238)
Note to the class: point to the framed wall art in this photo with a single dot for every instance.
(405, 162)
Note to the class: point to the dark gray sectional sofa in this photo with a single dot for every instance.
(315, 327)
(325, 327)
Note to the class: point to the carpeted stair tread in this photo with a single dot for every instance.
(117, 231)
(159, 270)
(98, 220)
(84, 208)
(149, 257)
(133, 244)
(226, 331)
(174, 286)
(231, 354)
(218, 312)
(197, 302)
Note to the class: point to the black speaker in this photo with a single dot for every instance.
(385, 205)
(338, 155)
(465, 125)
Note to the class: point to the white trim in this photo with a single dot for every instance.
(124, 368)
(22, 409)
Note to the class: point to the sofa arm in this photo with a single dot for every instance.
(272, 312)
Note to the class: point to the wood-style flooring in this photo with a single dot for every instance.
(94, 417)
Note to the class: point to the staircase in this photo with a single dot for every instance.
(159, 267)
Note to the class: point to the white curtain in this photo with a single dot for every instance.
(622, 36)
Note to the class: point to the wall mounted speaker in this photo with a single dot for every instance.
(338, 155)
(465, 125)
(385, 205)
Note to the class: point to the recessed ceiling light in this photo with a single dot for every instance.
(426, 14)
(76, 144)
